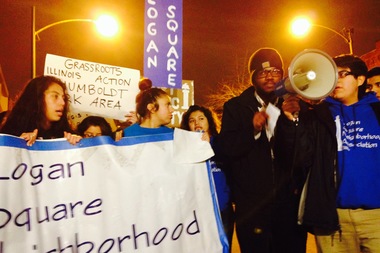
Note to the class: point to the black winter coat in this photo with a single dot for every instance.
(319, 212)
(320, 215)
(257, 180)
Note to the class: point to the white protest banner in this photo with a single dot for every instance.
(95, 88)
(105, 196)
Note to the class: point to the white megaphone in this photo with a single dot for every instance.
(312, 74)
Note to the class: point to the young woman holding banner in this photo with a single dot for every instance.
(40, 112)
(153, 109)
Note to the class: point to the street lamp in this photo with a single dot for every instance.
(105, 24)
(301, 27)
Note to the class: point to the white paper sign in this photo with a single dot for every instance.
(95, 88)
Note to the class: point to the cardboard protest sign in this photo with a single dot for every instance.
(134, 195)
(95, 88)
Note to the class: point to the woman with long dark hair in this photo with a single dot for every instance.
(40, 112)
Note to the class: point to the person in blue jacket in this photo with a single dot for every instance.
(153, 110)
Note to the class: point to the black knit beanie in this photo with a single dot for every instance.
(264, 58)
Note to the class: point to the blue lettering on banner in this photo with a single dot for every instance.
(40, 172)
(163, 43)
(27, 216)
(137, 239)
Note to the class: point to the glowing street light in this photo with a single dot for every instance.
(301, 26)
(105, 24)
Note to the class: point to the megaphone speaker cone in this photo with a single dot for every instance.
(312, 74)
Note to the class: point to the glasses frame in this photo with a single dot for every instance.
(344, 73)
(274, 72)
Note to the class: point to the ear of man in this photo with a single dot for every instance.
(361, 80)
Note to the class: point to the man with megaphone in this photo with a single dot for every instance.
(265, 188)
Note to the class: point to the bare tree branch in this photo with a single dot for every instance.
(226, 90)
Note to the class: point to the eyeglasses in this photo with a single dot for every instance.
(90, 135)
(344, 73)
(273, 72)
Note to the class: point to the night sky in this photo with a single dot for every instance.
(218, 35)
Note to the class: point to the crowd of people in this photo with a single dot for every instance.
(313, 169)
